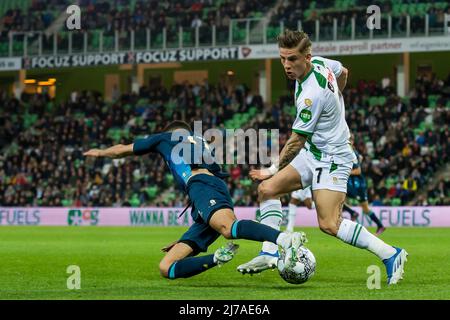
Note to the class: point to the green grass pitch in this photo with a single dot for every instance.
(122, 263)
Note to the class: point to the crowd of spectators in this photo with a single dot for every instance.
(123, 16)
(39, 16)
(158, 14)
(403, 143)
(119, 14)
(293, 11)
(407, 142)
(42, 142)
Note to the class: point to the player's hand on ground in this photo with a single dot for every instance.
(93, 153)
(260, 174)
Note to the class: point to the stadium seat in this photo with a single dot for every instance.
(4, 48)
(373, 101)
(382, 100)
(134, 200)
(432, 101)
(245, 182)
(66, 202)
(151, 191)
(169, 178)
(29, 120)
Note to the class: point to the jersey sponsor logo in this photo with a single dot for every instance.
(305, 115)
(337, 180)
(308, 102)
(212, 202)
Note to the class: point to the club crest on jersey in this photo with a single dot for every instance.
(305, 115)
(308, 102)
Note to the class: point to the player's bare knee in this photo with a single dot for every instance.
(225, 231)
(222, 222)
(227, 235)
(328, 227)
(265, 192)
(164, 269)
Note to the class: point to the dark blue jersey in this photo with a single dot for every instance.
(182, 152)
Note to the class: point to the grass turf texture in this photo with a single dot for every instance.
(122, 263)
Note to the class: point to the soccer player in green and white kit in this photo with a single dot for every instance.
(317, 154)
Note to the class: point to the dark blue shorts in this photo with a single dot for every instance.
(207, 194)
(357, 191)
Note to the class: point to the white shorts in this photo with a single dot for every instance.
(302, 194)
(321, 174)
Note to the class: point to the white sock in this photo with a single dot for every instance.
(313, 205)
(356, 235)
(271, 216)
(291, 217)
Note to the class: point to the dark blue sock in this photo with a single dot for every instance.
(374, 218)
(352, 212)
(189, 267)
(251, 230)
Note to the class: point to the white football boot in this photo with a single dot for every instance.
(263, 261)
(226, 253)
(266, 260)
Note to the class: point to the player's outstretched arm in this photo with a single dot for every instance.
(260, 174)
(288, 153)
(291, 149)
(114, 152)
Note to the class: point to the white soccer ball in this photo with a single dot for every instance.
(296, 266)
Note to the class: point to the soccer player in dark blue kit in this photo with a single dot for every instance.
(201, 178)
(357, 189)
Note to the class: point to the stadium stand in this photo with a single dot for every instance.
(42, 164)
(344, 10)
(48, 140)
(111, 16)
(403, 142)
(40, 133)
